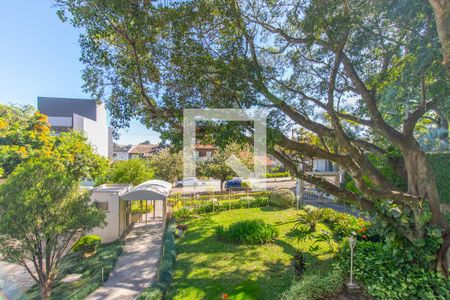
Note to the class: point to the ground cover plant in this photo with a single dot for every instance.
(208, 268)
(388, 271)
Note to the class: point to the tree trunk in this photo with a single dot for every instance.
(422, 183)
(46, 289)
(441, 10)
(221, 185)
(443, 131)
(444, 254)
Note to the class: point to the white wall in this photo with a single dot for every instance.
(111, 231)
(97, 132)
(322, 165)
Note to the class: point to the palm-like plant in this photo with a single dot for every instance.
(325, 236)
(311, 217)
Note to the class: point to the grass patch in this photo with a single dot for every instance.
(207, 267)
(90, 268)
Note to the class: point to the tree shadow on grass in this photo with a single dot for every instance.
(269, 283)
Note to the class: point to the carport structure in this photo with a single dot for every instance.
(156, 191)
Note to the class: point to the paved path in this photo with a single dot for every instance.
(14, 280)
(137, 265)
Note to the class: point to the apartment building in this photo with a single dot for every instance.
(84, 115)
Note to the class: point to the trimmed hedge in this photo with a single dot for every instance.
(220, 196)
(208, 206)
(278, 175)
(166, 267)
(440, 162)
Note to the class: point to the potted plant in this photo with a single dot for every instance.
(181, 229)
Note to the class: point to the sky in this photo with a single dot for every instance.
(39, 56)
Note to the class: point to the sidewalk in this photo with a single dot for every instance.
(136, 266)
(14, 280)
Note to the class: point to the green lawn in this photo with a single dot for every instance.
(106, 257)
(207, 267)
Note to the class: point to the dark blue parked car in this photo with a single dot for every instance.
(233, 183)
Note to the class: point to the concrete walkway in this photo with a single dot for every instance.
(137, 265)
(14, 280)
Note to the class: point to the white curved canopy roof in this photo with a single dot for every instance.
(149, 190)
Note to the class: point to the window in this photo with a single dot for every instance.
(101, 205)
(56, 130)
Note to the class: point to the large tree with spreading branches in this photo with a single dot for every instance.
(359, 76)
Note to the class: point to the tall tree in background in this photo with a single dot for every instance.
(217, 166)
(42, 214)
(359, 75)
(134, 171)
(168, 166)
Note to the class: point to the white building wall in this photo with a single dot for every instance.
(78, 122)
(319, 165)
(97, 132)
(97, 135)
(111, 230)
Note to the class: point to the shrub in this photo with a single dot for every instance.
(282, 198)
(261, 201)
(342, 224)
(315, 286)
(311, 217)
(181, 214)
(250, 232)
(246, 184)
(205, 207)
(440, 163)
(246, 201)
(87, 244)
(150, 294)
(388, 272)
